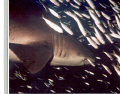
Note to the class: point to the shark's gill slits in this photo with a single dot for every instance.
(64, 47)
(59, 46)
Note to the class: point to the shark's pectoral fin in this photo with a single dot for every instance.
(34, 57)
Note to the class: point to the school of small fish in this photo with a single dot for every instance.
(98, 25)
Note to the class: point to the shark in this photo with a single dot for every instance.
(33, 43)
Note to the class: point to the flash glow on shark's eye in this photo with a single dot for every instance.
(26, 60)
(78, 53)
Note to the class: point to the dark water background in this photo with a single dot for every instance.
(70, 79)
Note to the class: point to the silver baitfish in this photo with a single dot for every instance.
(75, 6)
(117, 69)
(98, 35)
(53, 25)
(67, 29)
(78, 22)
(93, 16)
(55, 2)
(54, 13)
(107, 69)
(78, 14)
(77, 2)
(95, 39)
(108, 54)
(91, 4)
(92, 43)
(106, 16)
(118, 21)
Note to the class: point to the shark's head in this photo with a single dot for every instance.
(82, 53)
(86, 57)
(89, 59)
(73, 53)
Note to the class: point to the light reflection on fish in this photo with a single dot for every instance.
(91, 4)
(117, 69)
(54, 13)
(53, 25)
(107, 69)
(67, 29)
(93, 15)
(55, 2)
(92, 43)
(117, 56)
(75, 6)
(98, 35)
(111, 58)
(78, 22)
(105, 15)
(77, 2)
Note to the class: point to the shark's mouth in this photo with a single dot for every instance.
(88, 62)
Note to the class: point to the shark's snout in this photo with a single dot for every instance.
(89, 58)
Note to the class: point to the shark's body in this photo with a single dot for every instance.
(34, 43)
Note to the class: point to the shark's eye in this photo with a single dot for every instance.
(78, 53)
(25, 60)
(45, 42)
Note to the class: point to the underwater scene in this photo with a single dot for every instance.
(77, 49)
